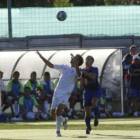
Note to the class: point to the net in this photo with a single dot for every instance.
(88, 21)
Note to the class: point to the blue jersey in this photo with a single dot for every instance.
(28, 103)
(16, 89)
(47, 88)
(134, 80)
(125, 67)
(91, 84)
(34, 85)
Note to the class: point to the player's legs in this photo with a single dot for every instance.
(134, 93)
(87, 118)
(53, 113)
(62, 102)
(54, 105)
(80, 99)
(95, 109)
(7, 104)
(60, 119)
(87, 108)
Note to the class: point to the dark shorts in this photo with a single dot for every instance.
(135, 92)
(89, 95)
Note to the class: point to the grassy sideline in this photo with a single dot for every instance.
(104, 124)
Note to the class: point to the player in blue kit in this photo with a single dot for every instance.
(91, 93)
(134, 71)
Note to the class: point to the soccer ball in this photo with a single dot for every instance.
(61, 16)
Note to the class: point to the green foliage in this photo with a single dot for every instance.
(61, 3)
(66, 3)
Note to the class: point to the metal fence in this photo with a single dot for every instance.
(89, 21)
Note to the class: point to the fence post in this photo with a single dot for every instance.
(9, 19)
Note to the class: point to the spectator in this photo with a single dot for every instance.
(103, 110)
(133, 50)
(134, 71)
(5, 103)
(126, 78)
(15, 90)
(32, 83)
(26, 103)
(3, 89)
(75, 97)
(47, 86)
(126, 63)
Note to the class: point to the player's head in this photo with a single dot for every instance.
(15, 75)
(133, 49)
(79, 59)
(33, 76)
(89, 60)
(47, 76)
(27, 92)
(128, 58)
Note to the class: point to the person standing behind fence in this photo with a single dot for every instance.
(134, 71)
(91, 94)
(15, 90)
(133, 50)
(126, 62)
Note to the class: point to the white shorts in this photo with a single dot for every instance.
(59, 99)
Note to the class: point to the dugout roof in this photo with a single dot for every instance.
(27, 61)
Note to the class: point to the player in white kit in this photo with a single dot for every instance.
(64, 88)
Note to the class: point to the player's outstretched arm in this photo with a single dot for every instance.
(49, 64)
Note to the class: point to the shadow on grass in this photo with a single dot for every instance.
(118, 136)
(80, 137)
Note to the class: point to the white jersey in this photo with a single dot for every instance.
(67, 79)
(2, 86)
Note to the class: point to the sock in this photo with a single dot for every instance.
(87, 121)
(16, 107)
(59, 120)
(96, 112)
(63, 119)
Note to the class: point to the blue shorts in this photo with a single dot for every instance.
(135, 92)
(88, 95)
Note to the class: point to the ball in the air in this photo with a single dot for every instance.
(61, 15)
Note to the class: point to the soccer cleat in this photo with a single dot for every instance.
(58, 134)
(65, 125)
(88, 131)
(96, 122)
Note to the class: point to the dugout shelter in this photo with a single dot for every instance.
(107, 59)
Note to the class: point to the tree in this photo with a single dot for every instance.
(61, 3)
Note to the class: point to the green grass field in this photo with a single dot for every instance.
(116, 129)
